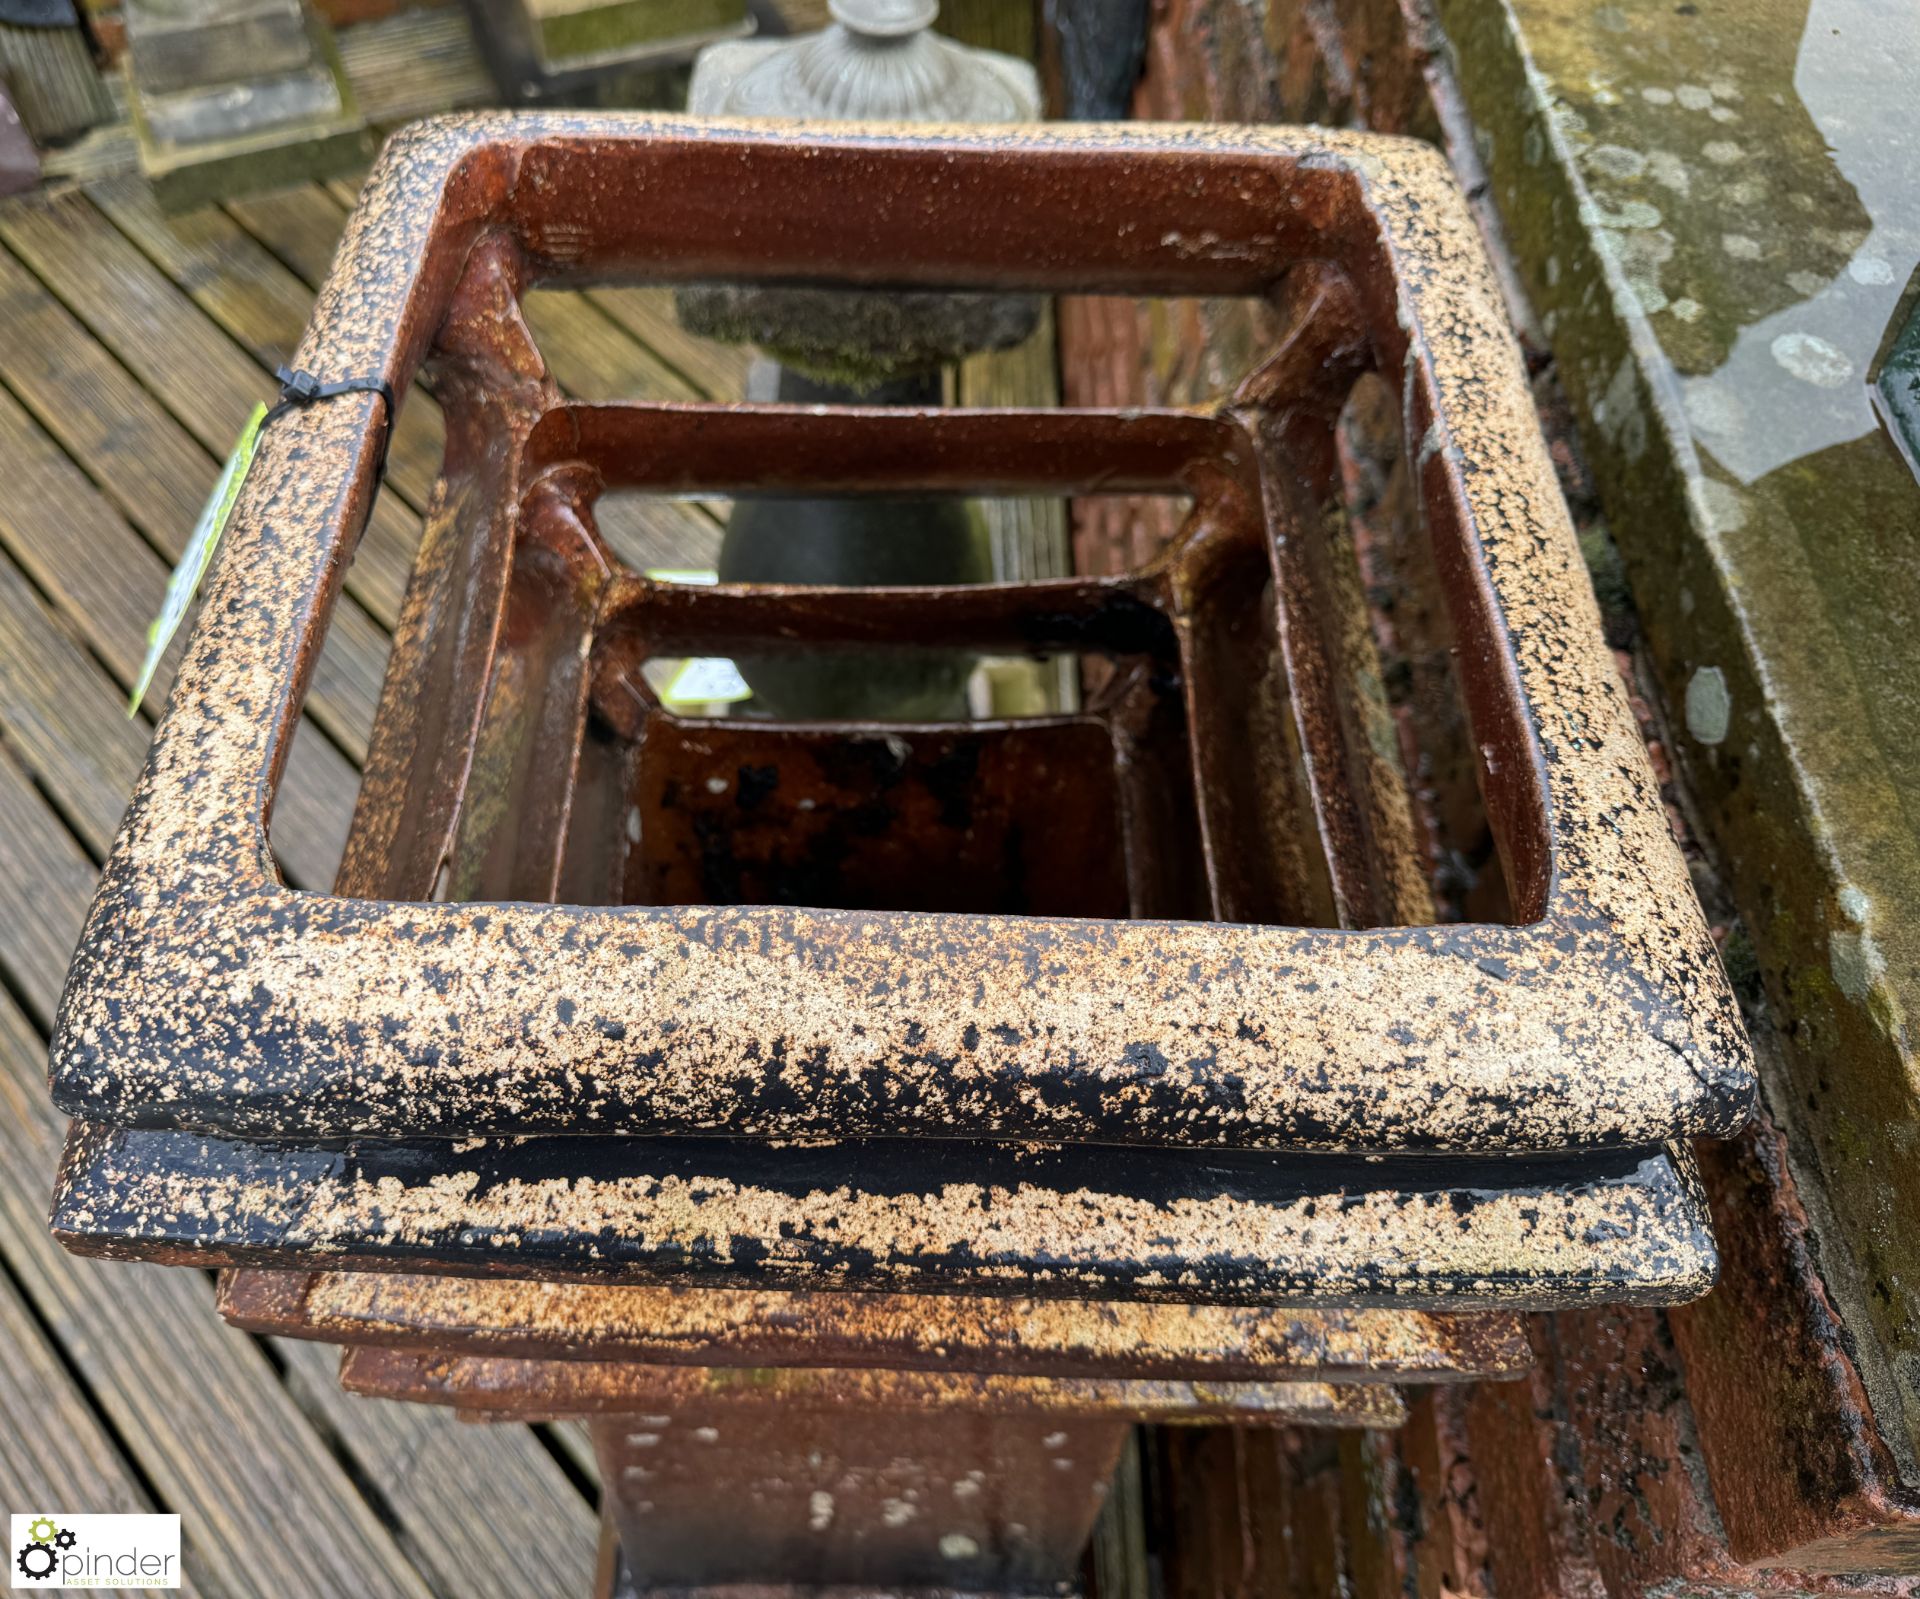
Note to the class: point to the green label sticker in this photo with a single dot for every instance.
(198, 555)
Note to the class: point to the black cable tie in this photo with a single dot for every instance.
(298, 390)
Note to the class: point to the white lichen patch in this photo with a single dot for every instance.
(1856, 962)
(1709, 706)
(1615, 161)
(1715, 408)
(1720, 507)
(1670, 172)
(1811, 359)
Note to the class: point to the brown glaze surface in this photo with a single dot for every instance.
(1012, 1337)
(206, 995)
(527, 1389)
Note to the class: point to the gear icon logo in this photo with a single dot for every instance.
(37, 1561)
(39, 1557)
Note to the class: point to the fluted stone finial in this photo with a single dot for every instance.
(884, 19)
(877, 61)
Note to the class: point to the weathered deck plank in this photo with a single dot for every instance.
(588, 354)
(718, 371)
(131, 355)
(301, 226)
(264, 1511)
(219, 267)
(60, 716)
(178, 354)
(47, 881)
(530, 1531)
(423, 1464)
(57, 1455)
(246, 291)
(66, 715)
(159, 472)
(82, 553)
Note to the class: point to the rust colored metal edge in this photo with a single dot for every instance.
(1802, 1477)
(525, 1389)
(499, 1317)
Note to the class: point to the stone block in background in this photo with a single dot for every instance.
(1717, 212)
(575, 32)
(616, 53)
(231, 96)
(184, 46)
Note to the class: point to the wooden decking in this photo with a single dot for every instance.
(131, 349)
